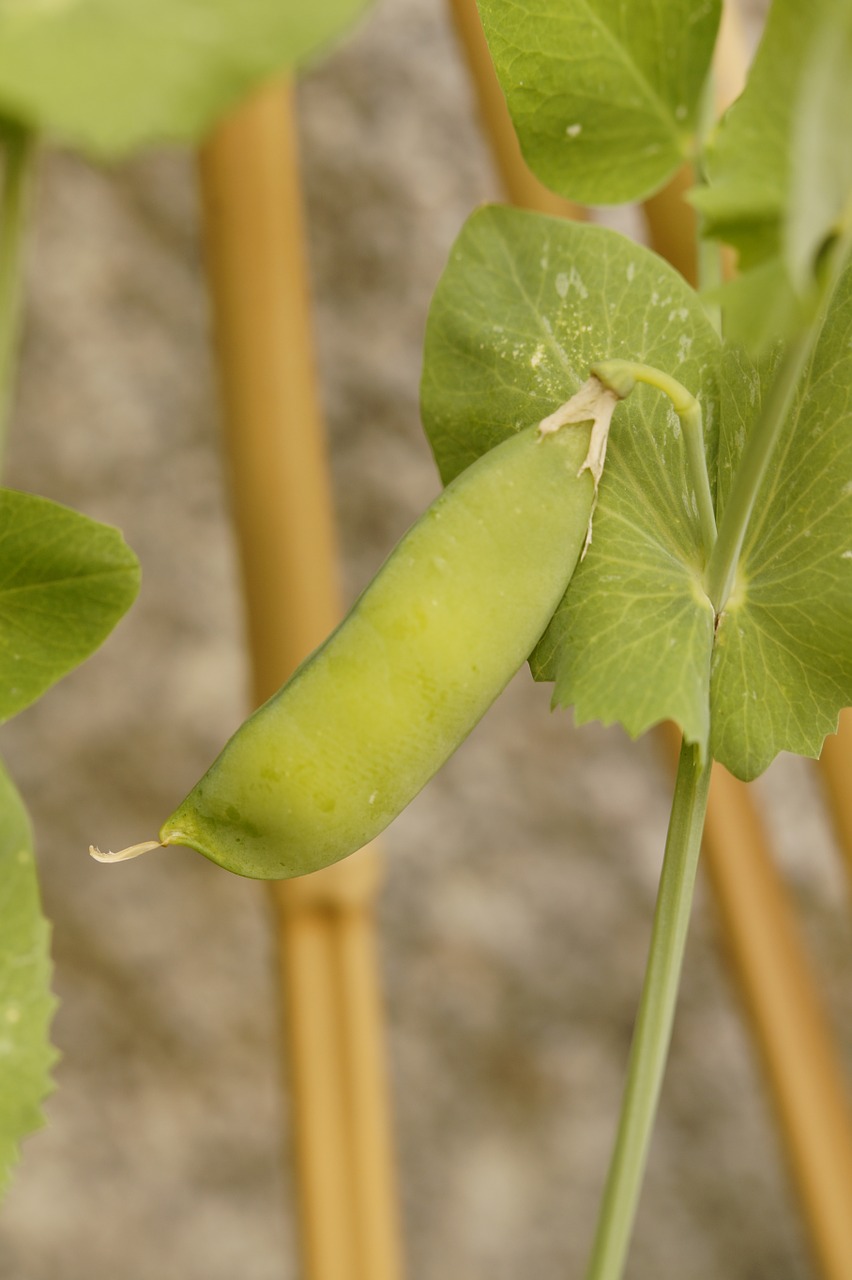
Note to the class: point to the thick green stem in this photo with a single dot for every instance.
(764, 437)
(652, 1032)
(708, 251)
(18, 147)
(752, 468)
(710, 279)
(621, 376)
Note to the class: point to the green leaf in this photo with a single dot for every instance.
(65, 581)
(821, 158)
(782, 665)
(747, 159)
(761, 307)
(108, 76)
(604, 97)
(779, 169)
(26, 1002)
(525, 305)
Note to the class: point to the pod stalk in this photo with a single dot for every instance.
(621, 377)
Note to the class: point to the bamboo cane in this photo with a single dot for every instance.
(282, 509)
(520, 184)
(787, 1018)
(772, 968)
(835, 765)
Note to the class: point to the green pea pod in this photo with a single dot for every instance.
(370, 716)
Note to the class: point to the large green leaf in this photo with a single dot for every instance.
(111, 75)
(782, 666)
(65, 581)
(604, 96)
(524, 306)
(26, 1003)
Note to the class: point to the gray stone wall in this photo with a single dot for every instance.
(520, 884)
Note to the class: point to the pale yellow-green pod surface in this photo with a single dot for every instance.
(365, 722)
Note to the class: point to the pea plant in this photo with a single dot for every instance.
(705, 575)
(106, 78)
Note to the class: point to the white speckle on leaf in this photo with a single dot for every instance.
(846, 491)
(847, 555)
(372, 799)
(570, 280)
(13, 1013)
(684, 346)
(631, 271)
(537, 356)
(574, 130)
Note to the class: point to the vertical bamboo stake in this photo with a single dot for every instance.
(282, 508)
(772, 968)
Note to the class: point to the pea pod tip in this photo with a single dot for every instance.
(124, 855)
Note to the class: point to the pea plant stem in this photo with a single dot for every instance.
(753, 466)
(763, 439)
(654, 1021)
(17, 150)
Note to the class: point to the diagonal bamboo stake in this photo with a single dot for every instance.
(282, 508)
(787, 1018)
(772, 967)
(520, 183)
(835, 765)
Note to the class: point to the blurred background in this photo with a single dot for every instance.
(519, 886)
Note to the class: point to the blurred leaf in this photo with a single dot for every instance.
(65, 581)
(747, 159)
(779, 169)
(26, 1002)
(821, 157)
(782, 664)
(108, 76)
(603, 96)
(761, 307)
(525, 305)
